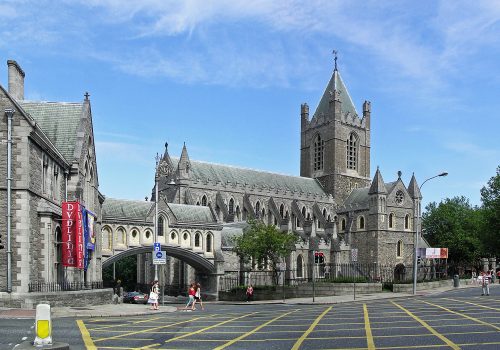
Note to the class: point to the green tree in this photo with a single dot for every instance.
(264, 243)
(490, 230)
(126, 272)
(454, 224)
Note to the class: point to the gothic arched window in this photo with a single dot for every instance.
(282, 211)
(407, 222)
(197, 239)
(257, 208)
(204, 201)
(361, 222)
(161, 223)
(391, 220)
(231, 206)
(319, 146)
(300, 266)
(209, 243)
(399, 252)
(352, 151)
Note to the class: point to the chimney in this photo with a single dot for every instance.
(16, 80)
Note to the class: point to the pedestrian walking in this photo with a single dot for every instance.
(249, 293)
(498, 276)
(197, 297)
(154, 295)
(190, 302)
(474, 278)
(485, 283)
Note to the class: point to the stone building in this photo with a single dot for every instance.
(47, 156)
(334, 206)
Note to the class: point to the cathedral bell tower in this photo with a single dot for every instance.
(335, 142)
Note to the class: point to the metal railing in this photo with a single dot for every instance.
(64, 286)
(332, 273)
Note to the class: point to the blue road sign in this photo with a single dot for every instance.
(157, 247)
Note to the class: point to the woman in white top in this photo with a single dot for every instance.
(197, 297)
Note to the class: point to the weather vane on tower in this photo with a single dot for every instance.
(334, 52)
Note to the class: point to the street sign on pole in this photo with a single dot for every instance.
(159, 258)
(157, 247)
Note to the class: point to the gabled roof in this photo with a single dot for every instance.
(336, 84)
(185, 213)
(59, 121)
(125, 209)
(211, 172)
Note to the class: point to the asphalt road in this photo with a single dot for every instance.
(459, 319)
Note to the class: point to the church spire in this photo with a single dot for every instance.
(413, 188)
(184, 165)
(336, 91)
(378, 185)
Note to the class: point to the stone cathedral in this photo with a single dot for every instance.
(334, 205)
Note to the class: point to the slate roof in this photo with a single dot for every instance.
(231, 230)
(191, 213)
(336, 83)
(59, 121)
(357, 196)
(203, 171)
(125, 209)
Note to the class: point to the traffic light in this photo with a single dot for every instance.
(316, 257)
(419, 261)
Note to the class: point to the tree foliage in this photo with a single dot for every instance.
(264, 243)
(126, 272)
(455, 224)
(490, 197)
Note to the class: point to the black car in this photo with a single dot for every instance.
(135, 298)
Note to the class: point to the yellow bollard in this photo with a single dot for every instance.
(43, 325)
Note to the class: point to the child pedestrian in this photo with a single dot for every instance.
(249, 293)
(486, 283)
(154, 295)
(190, 302)
(197, 297)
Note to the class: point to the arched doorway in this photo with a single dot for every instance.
(399, 273)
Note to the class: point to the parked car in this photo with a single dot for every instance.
(135, 298)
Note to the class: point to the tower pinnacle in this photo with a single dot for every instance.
(334, 52)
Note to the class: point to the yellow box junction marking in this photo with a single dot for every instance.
(252, 331)
(87, 340)
(467, 302)
(368, 330)
(429, 328)
(299, 341)
(210, 327)
(463, 315)
(147, 330)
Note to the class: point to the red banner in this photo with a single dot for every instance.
(72, 235)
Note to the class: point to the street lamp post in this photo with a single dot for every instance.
(417, 231)
(156, 209)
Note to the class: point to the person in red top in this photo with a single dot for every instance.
(191, 294)
(498, 276)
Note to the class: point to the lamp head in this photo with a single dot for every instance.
(443, 174)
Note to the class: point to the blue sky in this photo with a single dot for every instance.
(228, 77)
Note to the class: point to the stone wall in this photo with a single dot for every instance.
(408, 287)
(73, 298)
(304, 291)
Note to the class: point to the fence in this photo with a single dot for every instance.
(331, 273)
(64, 286)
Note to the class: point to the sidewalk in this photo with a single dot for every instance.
(120, 310)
